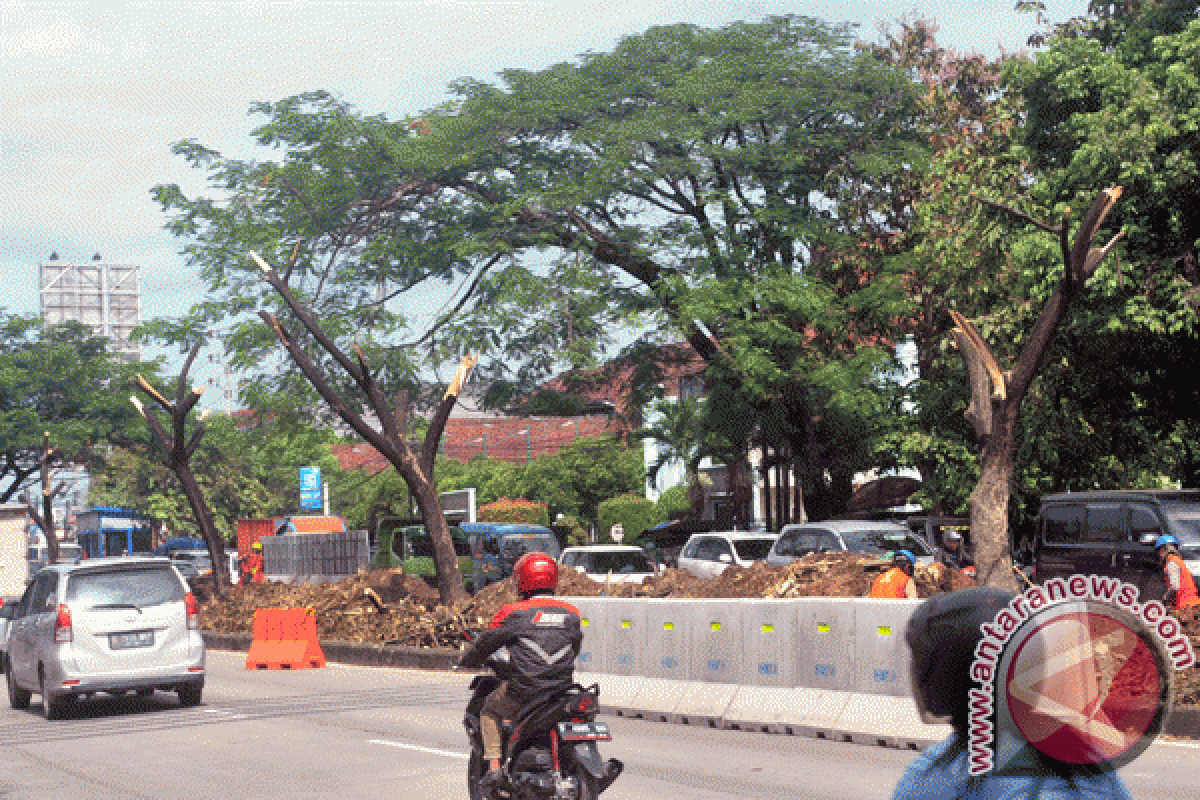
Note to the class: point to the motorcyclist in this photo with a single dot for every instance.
(897, 583)
(1181, 586)
(543, 636)
(952, 553)
(942, 634)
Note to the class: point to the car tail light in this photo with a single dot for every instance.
(62, 625)
(193, 612)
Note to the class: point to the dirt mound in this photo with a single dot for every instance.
(387, 606)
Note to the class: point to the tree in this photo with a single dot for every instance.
(390, 439)
(177, 448)
(59, 381)
(692, 181)
(246, 469)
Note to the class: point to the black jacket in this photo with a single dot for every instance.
(543, 636)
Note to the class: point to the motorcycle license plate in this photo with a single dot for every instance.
(584, 732)
(128, 641)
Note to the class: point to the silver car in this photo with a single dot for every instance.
(105, 625)
(707, 555)
(841, 535)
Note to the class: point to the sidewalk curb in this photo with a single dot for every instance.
(1184, 721)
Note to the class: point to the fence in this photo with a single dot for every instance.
(314, 557)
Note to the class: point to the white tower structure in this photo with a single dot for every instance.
(104, 297)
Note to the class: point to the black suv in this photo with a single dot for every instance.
(1113, 533)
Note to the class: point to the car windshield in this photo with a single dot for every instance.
(883, 542)
(619, 561)
(752, 549)
(140, 587)
(515, 545)
(1185, 526)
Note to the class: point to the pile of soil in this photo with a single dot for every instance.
(377, 607)
(1187, 681)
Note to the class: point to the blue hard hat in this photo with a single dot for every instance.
(1164, 540)
(904, 554)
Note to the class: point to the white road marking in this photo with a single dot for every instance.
(418, 748)
(1192, 745)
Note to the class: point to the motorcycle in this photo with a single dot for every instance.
(550, 750)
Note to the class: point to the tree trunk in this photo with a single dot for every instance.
(989, 505)
(208, 529)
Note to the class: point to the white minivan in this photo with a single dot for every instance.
(110, 625)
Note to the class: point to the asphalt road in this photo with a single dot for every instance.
(358, 732)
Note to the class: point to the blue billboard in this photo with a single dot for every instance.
(310, 489)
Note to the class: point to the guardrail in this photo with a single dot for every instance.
(833, 668)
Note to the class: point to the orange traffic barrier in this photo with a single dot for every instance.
(285, 638)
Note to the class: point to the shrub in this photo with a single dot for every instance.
(506, 510)
(674, 499)
(386, 558)
(636, 515)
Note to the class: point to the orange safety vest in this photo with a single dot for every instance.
(891, 585)
(1187, 595)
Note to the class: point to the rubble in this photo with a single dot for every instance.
(389, 607)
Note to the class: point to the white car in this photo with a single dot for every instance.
(105, 625)
(615, 563)
(707, 555)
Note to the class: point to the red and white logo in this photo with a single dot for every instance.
(1077, 669)
(1085, 687)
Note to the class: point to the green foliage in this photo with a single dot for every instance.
(62, 380)
(576, 533)
(244, 473)
(635, 514)
(386, 558)
(419, 565)
(674, 499)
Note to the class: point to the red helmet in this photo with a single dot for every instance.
(535, 571)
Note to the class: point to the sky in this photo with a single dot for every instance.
(94, 94)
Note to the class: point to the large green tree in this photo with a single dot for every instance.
(691, 182)
(63, 398)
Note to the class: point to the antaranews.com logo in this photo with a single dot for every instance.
(1077, 669)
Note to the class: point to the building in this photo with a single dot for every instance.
(104, 297)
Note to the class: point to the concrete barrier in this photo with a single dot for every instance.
(593, 620)
(718, 641)
(625, 635)
(769, 643)
(880, 653)
(825, 643)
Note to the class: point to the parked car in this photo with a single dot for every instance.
(840, 535)
(1113, 533)
(38, 555)
(111, 624)
(708, 554)
(618, 563)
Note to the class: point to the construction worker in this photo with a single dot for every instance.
(252, 565)
(543, 636)
(897, 583)
(1181, 587)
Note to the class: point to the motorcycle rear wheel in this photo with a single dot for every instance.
(586, 783)
(475, 769)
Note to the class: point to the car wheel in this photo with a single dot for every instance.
(54, 706)
(190, 694)
(17, 697)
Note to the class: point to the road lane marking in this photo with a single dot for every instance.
(418, 748)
